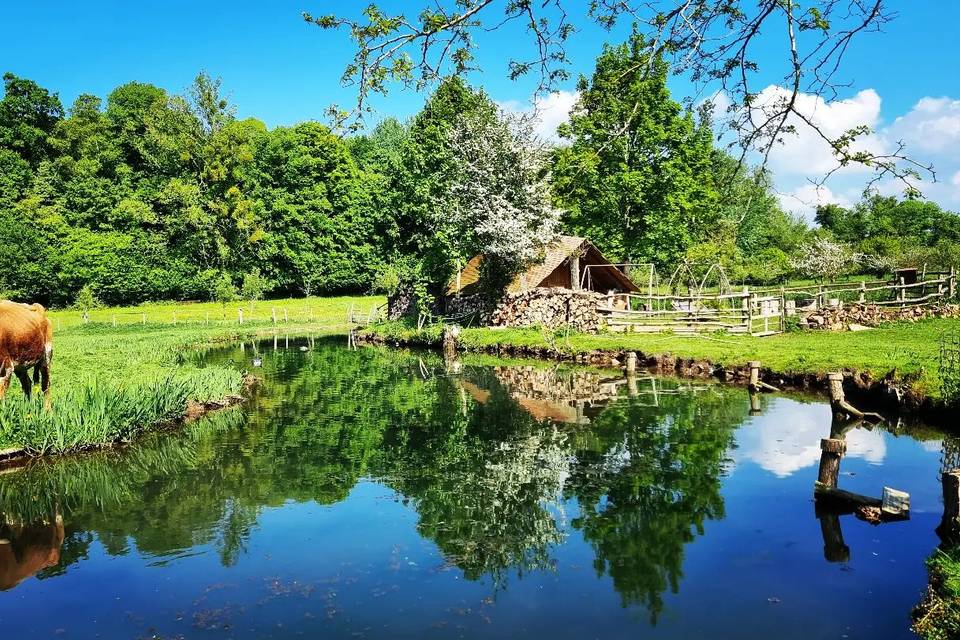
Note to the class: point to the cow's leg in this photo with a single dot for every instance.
(6, 370)
(23, 375)
(45, 383)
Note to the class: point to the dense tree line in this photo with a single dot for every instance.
(156, 196)
(148, 196)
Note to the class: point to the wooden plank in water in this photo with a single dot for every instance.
(839, 496)
(895, 503)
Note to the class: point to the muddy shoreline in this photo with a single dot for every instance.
(891, 396)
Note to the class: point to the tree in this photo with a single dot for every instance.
(28, 114)
(424, 178)
(254, 287)
(713, 43)
(825, 259)
(498, 201)
(321, 233)
(906, 232)
(636, 176)
(224, 292)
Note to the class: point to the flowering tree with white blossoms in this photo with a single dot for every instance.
(825, 259)
(497, 202)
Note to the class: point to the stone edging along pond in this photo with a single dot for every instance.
(890, 394)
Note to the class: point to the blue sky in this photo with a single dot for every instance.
(281, 70)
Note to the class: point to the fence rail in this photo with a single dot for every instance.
(764, 311)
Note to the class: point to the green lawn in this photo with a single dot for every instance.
(110, 381)
(911, 350)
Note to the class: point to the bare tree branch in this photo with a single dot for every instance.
(712, 42)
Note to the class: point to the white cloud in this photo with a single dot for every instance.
(932, 126)
(807, 153)
(930, 130)
(784, 447)
(803, 200)
(550, 111)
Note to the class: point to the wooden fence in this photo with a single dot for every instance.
(762, 312)
(744, 312)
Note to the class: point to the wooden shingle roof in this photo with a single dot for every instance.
(554, 256)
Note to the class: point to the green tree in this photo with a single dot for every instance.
(636, 176)
(426, 174)
(28, 114)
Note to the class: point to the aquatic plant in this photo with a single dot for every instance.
(97, 411)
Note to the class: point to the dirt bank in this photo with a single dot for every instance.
(890, 395)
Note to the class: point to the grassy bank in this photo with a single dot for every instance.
(938, 616)
(910, 351)
(112, 380)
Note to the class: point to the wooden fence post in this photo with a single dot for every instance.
(863, 292)
(953, 282)
(240, 314)
(832, 450)
(286, 318)
(949, 529)
(113, 319)
(754, 383)
(901, 292)
(748, 312)
(631, 363)
(783, 309)
(174, 318)
(143, 319)
(273, 314)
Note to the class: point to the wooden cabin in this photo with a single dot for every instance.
(570, 262)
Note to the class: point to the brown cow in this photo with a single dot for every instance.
(26, 340)
(27, 549)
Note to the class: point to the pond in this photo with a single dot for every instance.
(377, 493)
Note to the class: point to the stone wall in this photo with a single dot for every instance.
(845, 317)
(551, 308)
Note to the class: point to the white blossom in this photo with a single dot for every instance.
(498, 202)
(825, 259)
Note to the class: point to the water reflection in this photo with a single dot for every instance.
(503, 467)
(784, 447)
(26, 549)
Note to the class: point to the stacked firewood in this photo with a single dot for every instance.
(550, 307)
(549, 384)
(847, 317)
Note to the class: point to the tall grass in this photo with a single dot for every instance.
(98, 411)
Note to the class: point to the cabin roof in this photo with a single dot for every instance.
(555, 254)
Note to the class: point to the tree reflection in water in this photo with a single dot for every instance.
(486, 458)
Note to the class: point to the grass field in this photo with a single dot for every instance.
(910, 350)
(111, 380)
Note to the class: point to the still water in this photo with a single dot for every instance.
(375, 493)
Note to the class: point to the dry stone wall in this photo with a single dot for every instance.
(550, 307)
(844, 317)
